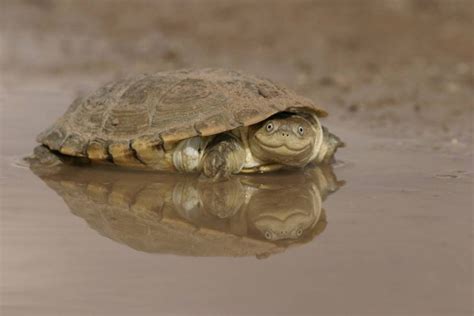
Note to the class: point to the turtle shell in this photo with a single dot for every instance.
(168, 107)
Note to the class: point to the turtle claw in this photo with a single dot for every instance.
(223, 159)
(216, 167)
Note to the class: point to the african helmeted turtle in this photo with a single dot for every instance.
(214, 121)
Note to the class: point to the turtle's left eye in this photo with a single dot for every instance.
(301, 130)
(268, 235)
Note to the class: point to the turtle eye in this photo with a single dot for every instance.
(268, 235)
(269, 127)
(301, 130)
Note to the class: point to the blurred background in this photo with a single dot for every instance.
(399, 69)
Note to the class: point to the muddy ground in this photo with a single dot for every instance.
(397, 68)
(397, 78)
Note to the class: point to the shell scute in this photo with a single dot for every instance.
(126, 121)
(267, 90)
(186, 91)
(74, 145)
(189, 100)
(97, 149)
(224, 121)
(178, 133)
(123, 154)
(53, 137)
(149, 150)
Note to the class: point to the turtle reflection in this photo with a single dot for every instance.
(185, 215)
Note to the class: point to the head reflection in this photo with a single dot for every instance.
(163, 213)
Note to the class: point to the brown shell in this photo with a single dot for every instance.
(167, 107)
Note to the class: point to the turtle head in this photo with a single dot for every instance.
(286, 138)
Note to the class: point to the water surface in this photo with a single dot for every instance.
(395, 239)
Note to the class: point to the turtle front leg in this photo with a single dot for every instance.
(329, 146)
(224, 156)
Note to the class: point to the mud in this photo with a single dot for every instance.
(395, 239)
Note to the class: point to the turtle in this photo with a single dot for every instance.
(217, 122)
(179, 214)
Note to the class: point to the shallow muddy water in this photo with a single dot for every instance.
(395, 238)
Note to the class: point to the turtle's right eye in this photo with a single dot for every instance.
(269, 127)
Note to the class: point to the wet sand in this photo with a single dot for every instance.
(395, 239)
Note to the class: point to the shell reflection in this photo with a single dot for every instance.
(255, 215)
